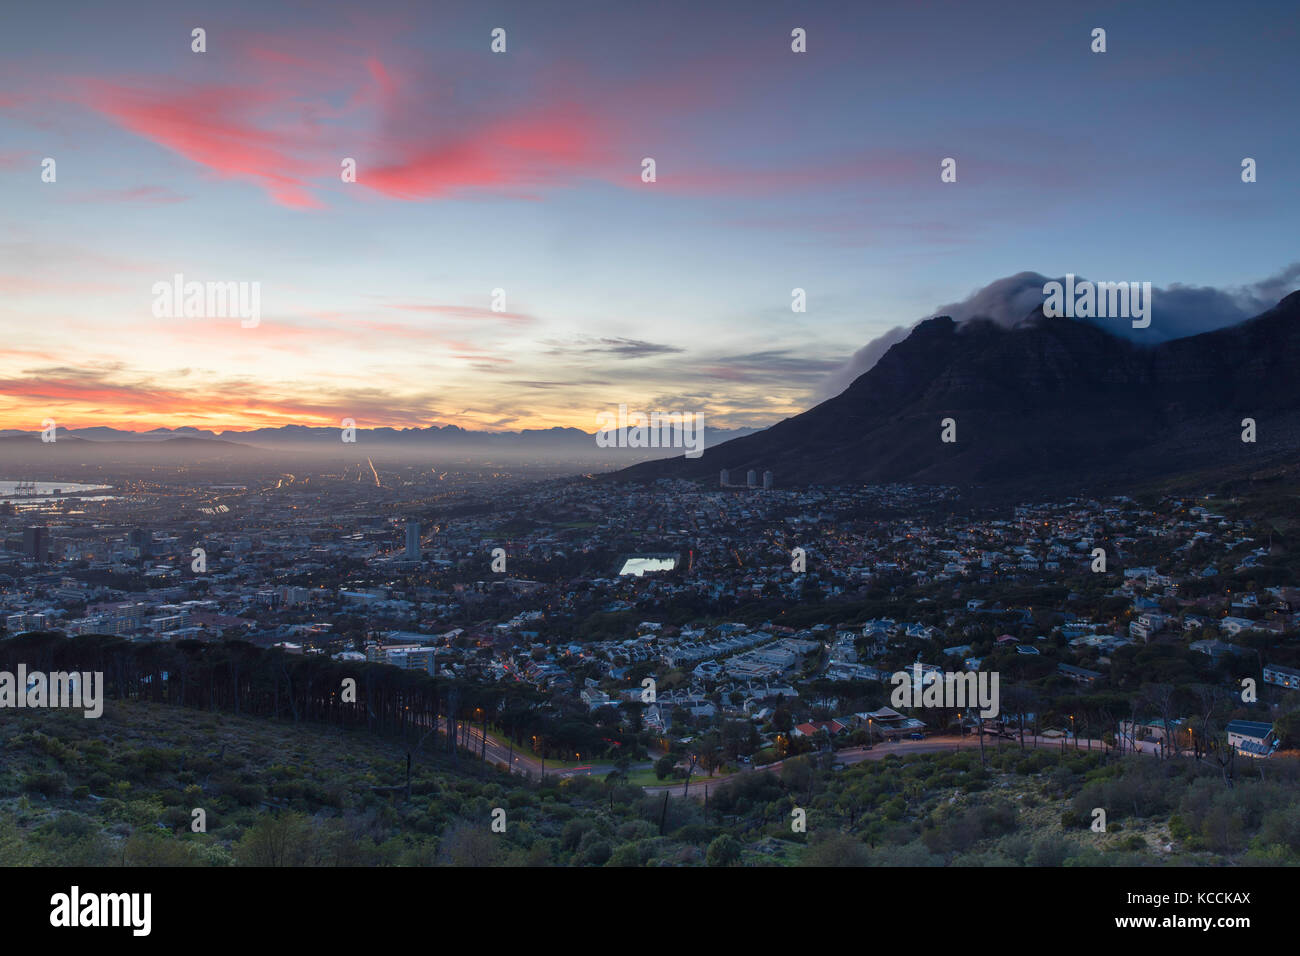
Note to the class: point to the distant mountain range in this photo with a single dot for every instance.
(175, 445)
(1046, 405)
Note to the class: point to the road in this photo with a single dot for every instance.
(700, 784)
(500, 753)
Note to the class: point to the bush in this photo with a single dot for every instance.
(574, 831)
(696, 833)
(595, 850)
(836, 849)
(150, 849)
(71, 825)
(723, 851)
(245, 794)
(1281, 829)
(1049, 851)
(48, 784)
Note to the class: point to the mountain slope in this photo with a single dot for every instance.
(1050, 404)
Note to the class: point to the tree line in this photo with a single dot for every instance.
(241, 678)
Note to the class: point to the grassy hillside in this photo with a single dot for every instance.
(121, 790)
(1037, 808)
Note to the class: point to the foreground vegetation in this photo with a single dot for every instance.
(122, 790)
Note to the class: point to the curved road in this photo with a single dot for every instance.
(700, 784)
(500, 753)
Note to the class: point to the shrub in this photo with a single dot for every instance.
(48, 784)
(723, 851)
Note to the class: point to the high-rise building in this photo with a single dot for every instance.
(143, 540)
(724, 478)
(768, 481)
(36, 542)
(412, 541)
(292, 596)
(751, 478)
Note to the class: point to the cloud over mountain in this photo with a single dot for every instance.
(1177, 311)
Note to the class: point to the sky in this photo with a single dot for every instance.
(521, 171)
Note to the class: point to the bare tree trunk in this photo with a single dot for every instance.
(690, 769)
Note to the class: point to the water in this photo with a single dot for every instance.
(43, 490)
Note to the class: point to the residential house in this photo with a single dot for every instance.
(1280, 676)
(1251, 738)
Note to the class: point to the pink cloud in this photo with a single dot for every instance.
(215, 127)
(300, 104)
(86, 394)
